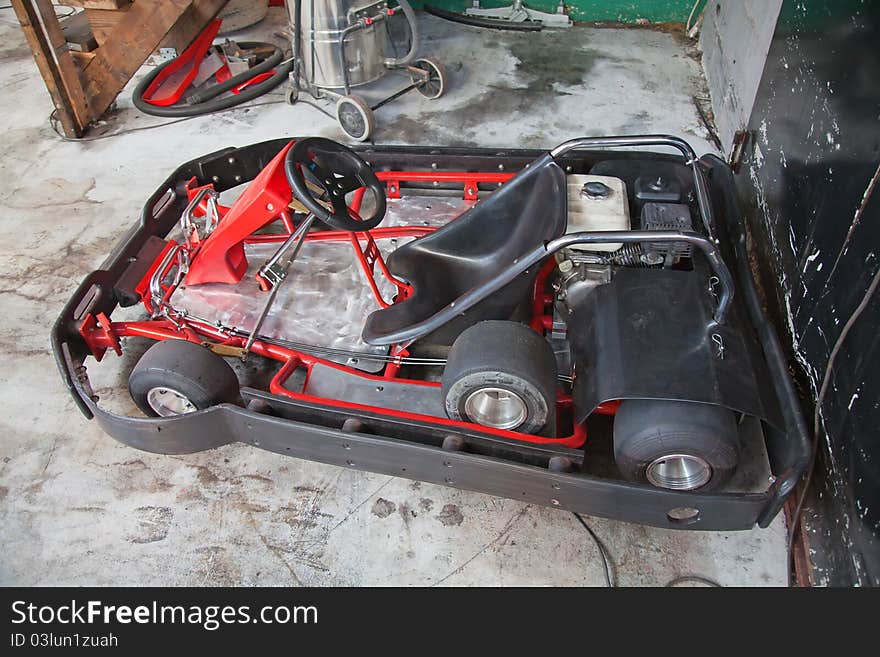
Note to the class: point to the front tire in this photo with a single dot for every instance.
(675, 445)
(501, 375)
(176, 377)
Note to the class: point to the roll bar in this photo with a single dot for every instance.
(708, 245)
(681, 145)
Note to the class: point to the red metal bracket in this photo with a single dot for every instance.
(371, 253)
(98, 335)
(369, 256)
(257, 79)
(170, 84)
(221, 257)
(469, 179)
(542, 301)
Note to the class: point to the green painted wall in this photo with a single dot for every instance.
(624, 11)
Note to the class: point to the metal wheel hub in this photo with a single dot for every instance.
(496, 407)
(168, 402)
(352, 121)
(679, 472)
(430, 86)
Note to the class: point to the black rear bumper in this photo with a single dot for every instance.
(413, 449)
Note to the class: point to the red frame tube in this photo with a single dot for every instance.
(292, 360)
(100, 336)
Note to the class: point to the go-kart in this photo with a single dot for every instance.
(556, 327)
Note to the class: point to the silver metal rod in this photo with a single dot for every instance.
(296, 239)
(186, 219)
(299, 235)
(622, 142)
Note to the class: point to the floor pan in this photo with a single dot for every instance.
(325, 299)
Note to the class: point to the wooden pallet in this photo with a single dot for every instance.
(83, 85)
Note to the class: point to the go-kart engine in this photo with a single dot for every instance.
(601, 203)
(665, 216)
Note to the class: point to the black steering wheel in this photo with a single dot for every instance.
(338, 170)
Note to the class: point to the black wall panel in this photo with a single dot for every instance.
(809, 185)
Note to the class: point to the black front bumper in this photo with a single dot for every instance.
(414, 449)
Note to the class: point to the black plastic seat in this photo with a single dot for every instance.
(527, 211)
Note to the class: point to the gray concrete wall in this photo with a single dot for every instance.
(735, 38)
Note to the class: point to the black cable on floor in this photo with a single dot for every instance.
(53, 121)
(607, 563)
(692, 578)
(603, 551)
(820, 399)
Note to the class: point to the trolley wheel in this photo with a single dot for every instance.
(355, 117)
(436, 84)
(176, 377)
(503, 375)
(292, 95)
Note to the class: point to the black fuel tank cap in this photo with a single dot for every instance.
(595, 189)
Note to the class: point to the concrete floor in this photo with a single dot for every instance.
(78, 508)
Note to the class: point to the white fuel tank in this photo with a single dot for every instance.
(597, 203)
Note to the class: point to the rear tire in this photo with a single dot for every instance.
(503, 375)
(674, 444)
(176, 377)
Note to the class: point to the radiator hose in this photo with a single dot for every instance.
(206, 101)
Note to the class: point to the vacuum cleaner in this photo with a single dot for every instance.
(340, 45)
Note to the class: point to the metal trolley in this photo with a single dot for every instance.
(340, 44)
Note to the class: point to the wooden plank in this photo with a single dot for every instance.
(144, 27)
(135, 38)
(78, 33)
(191, 24)
(36, 39)
(95, 4)
(105, 21)
(84, 87)
(70, 74)
(46, 40)
(83, 58)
